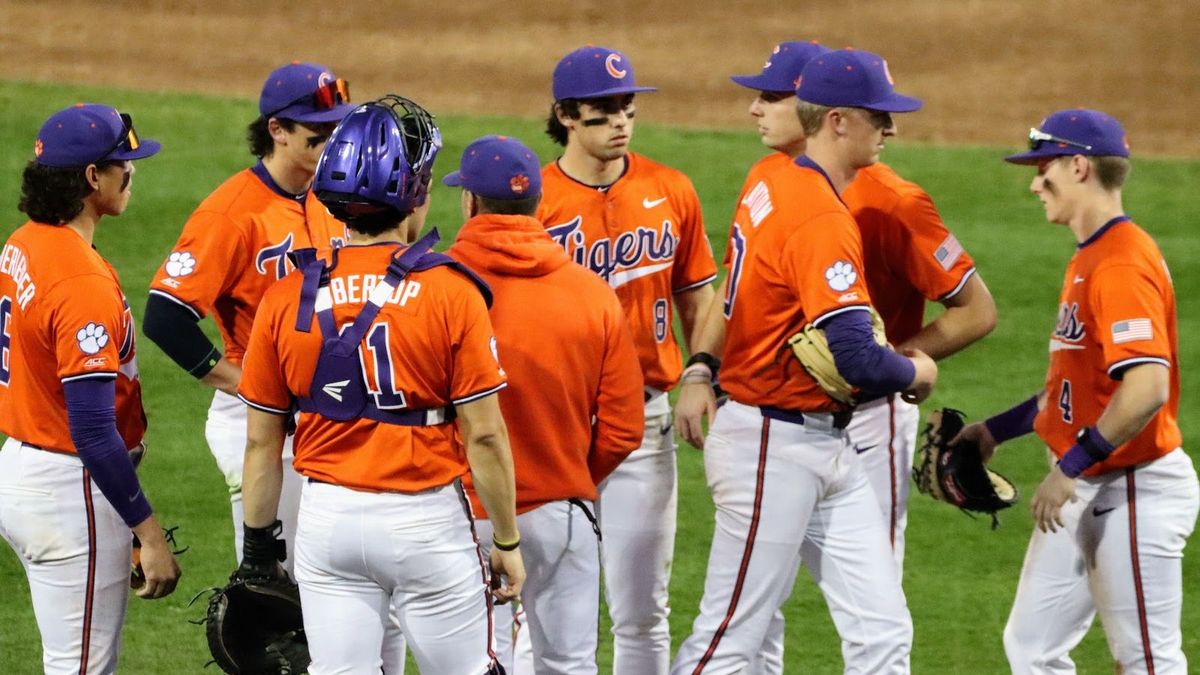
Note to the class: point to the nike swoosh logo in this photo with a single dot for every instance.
(1057, 346)
(618, 279)
(1079, 280)
(864, 449)
(334, 389)
(1099, 511)
(651, 204)
(135, 496)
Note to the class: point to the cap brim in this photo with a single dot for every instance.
(453, 179)
(762, 82)
(615, 91)
(897, 103)
(146, 148)
(1031, 157)
(334, 114)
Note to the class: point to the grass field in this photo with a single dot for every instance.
(960, 576)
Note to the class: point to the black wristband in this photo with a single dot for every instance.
(510, 546)
(262, 545)
(713, 363)
(1096, 446)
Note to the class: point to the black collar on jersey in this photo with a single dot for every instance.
(1103, 228)
(260, 170)
(597, 188)
(805, 162)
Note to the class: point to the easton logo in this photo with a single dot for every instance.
(334, 389)
(1069, 327)
(610, 257)
(278, 253)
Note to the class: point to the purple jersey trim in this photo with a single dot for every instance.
(958, 289)
(864, 363)
(478, 395)
(264, 408)
(92, 419)
(168, 296)
(698, 284)
(1120, 366)
(260, 170)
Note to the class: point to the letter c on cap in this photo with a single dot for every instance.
(610, 64)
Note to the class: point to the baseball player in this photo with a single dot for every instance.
(579, 369)
(1114, 513)
(234, 246)
(909, 256)
(638, 225)
(788, 485)
(384, 527)
(70, 397)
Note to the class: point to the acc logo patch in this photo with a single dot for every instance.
(91, 338)
(840, 276)
(610, 64)
(180, 264)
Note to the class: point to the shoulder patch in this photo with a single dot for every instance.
(841, 276)
(1132, 330)
(948, 252)
(91, 338)
(180, 264)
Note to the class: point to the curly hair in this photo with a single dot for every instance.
(555, 129)
(54, 195)
(258, 135)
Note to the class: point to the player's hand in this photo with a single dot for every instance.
(158, 565)
(508, 574)
(925, 378)
(1048, 501)
(696, 402)
(977, 433)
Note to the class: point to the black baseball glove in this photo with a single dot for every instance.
(254, 627)
(956, 474)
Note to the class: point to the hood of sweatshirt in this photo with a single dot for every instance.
(508, 245)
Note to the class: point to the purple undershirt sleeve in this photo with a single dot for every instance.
(871, 367)
(92, 418)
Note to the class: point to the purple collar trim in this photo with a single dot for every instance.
(805, 162)
(597, 188)
(265, 176)
(1104, 228)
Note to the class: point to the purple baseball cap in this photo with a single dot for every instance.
(498, 167)
(1077, 131)
(89, 133)
(305, 92)
(782, 70)
(593, 72)
(852, 79)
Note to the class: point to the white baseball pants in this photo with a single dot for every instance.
(883, 433)
(1121, 556)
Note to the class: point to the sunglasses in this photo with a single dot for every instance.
(326, 96)
(127, 141)
(1037, 137)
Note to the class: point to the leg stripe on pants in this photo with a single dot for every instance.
(90, 592)
(483, 571)
(1130, 489)
(892, 468)
(750, 534)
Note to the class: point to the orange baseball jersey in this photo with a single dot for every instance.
(643, 234)
(1116, 310)
(235, 245)
(431, 345)
(753, 206)
(63, 317)
(574, 401)
(805, 266)
(908, 253)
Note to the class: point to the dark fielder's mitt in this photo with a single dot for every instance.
(957, 475)
(255, 627)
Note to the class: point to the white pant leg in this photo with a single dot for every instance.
(847, 552)
(522, 651)
(884, 433)
(770, 655)
(363, 557)
(1135, 556)
(636, 511)
(76, 553)
(765, 486)
(225, 431)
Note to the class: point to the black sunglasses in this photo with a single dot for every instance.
(127, 141)
(1037, 137)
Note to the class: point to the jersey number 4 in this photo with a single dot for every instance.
(1064, 400)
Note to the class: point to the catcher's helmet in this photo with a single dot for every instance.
(379, 157)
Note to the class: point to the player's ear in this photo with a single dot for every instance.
(562, 116)
(277, 132)
(1081, 167)
(91, 173)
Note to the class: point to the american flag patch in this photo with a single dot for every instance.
(949, 252)
(1131, 330)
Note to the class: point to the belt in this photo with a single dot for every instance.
(834, 420)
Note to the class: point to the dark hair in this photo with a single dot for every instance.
(1111, 171)
(509, 207)
(259, 135)
(555, 129)
(54, 195)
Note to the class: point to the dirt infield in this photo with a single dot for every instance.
(987, 69)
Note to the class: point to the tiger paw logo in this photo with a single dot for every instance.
(39, 148)
(92, 338)
(519, 184)
(180, 264)
(840, 276)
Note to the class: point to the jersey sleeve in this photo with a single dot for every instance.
(694, 265)
(822, 261)
(935, 262)
(1131, 317)
(264, 384)
(85, 322)
(206, 260)
(476, 370)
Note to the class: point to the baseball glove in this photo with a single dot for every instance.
(255, 627)
(956, 474)
(811, 348)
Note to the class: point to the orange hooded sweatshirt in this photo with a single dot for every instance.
(574, 401)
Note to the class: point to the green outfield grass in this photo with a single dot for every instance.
(960, 575)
